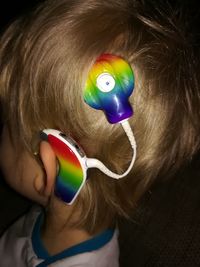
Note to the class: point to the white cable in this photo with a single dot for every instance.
(95, 163)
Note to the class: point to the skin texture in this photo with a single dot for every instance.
(27, 177)
(22, 172)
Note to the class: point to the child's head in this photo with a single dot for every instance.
(45, 59)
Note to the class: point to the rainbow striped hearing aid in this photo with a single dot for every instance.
(108, 87)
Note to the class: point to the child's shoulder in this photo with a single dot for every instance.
(15, 243)
(21, 244)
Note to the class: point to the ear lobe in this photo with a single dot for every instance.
(49, 161)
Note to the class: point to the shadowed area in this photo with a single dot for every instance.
(165, 230)
(165, 227)
(12, 205)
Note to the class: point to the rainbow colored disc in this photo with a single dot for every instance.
(108, 87)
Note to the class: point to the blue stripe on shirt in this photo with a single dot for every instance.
(87, 246)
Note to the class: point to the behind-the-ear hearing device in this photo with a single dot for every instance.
(110, 83)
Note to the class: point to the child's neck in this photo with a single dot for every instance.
(56, 233)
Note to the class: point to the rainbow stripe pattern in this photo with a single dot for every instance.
(119, 79)
(71, 177)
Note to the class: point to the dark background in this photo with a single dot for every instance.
(165, 227)
(11, 9)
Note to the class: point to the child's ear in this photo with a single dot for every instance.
(49, 161)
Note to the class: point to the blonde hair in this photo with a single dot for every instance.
(45, 58)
